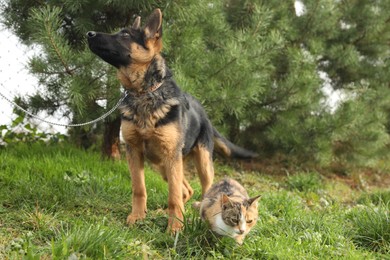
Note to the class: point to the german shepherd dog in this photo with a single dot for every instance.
(159, 121)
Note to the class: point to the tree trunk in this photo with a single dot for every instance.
(233, 127)
(110, 149)
(81, 137)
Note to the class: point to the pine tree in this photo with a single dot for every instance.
(72, 79)
(255, 82)
(350, 41)
(257, 67)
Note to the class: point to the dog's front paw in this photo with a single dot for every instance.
(174, 225)
(132, 218)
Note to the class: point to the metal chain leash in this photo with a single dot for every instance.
(67, 125)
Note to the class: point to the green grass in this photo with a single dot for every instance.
(304, 182)
(370, 228)
(59, 202)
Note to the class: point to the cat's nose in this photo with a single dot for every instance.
(241, 231)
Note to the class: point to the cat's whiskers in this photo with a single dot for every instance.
(217, 213)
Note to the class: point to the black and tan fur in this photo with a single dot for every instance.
(159, 121)
(229, 211)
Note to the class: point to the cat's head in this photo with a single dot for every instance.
(238, 216)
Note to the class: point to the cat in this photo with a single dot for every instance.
(229, 211)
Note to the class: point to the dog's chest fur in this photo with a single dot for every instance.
(148, 110)
(153, 118)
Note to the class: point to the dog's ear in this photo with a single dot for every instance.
(137, 23)
(153, 26)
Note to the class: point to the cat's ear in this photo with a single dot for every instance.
(225, 201)
(253, 200)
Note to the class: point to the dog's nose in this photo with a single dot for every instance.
(91, 34)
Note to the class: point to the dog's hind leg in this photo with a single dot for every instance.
(204, 165)
(187, 189)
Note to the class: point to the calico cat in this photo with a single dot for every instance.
(228, 209)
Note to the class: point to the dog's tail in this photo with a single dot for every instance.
(226, 148)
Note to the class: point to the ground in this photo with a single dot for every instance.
(59, 202)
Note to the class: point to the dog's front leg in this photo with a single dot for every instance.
(175, 177)
(135, 159)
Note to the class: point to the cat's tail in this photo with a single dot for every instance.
(226, 148)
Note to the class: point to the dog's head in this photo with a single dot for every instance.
(133, 45)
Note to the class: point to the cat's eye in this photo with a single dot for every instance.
(249, 221)
(235, 220)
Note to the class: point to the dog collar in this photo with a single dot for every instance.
(155, 87)
(151, 89)
(145, 91)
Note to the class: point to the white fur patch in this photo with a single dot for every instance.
(221, 228)
(242, 224)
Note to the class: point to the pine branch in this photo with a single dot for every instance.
(97, 78)
(281, 97)
(308, 22)
(222, 68)
(70, 71)
(56, 49)
(45, 23)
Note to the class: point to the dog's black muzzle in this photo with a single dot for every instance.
(110, 47)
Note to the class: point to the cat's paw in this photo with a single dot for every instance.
(196, 205)
(239, 239)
